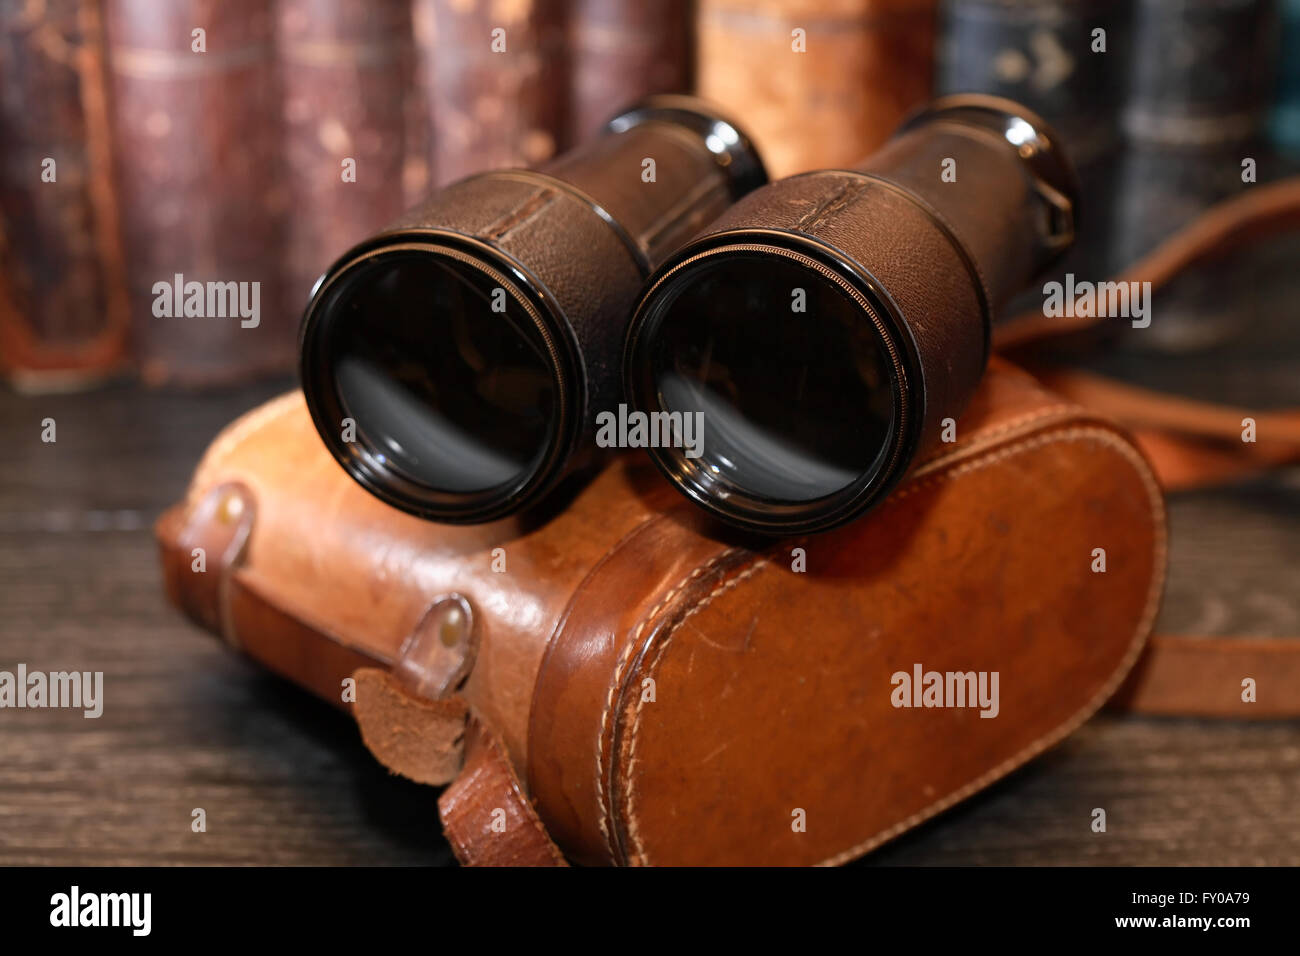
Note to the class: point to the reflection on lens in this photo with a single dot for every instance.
(773, 466)
(448, 381)
(792, 378)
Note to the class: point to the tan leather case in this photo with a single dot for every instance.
(646, 689)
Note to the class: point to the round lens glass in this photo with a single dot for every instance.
(447, 378)
(786, 374)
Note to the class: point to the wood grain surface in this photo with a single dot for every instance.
(284, 779)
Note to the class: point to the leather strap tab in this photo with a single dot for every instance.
(212, 544)
(439, 653)
(416, 737)
(486, 816)
(1203, 676)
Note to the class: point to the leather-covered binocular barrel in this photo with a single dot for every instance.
(825, 326)
(454, 363)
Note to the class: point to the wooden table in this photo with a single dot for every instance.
(284, 779)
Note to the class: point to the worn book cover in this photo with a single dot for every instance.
(345, 69)
(496, 81)
(62, 304)
(196, 123)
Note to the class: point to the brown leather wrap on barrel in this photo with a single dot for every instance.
(550, 222)
(995, 226)
(867, 220)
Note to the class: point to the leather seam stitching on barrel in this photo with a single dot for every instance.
(523, 212)
(816, 213)
(850, 193)
(984, 438)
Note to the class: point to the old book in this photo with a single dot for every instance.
(1064, 59)
(1068, 61)
(623, 50)
(63, 311)
(345, 69)
(1200, 90)
(1286, 113)
(818, 83)
(196, 114)
(496, 81)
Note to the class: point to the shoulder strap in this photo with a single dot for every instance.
(1259, 213)
(1203, 677)
(1190, 444)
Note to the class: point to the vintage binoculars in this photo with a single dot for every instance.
(454, 363)
(820, 330)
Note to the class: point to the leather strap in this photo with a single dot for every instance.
(486, 816)
(1206, 677)
(416, 737)
(1192, 444)
(1259, 213)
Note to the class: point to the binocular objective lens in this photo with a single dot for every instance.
(793, 382)
(448, 381)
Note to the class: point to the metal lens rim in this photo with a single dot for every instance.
(724, 499)
(359, 458)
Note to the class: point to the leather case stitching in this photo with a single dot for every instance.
(617, 683)
(986, 437)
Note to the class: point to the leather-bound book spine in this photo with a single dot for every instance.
(1286, 114)
(63, 311)
(624, 50)
(345, 69)
(818, 83)
(1200, 90)
(1067, 60)
(496, 81)
(196, 111)
(1047, 55)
